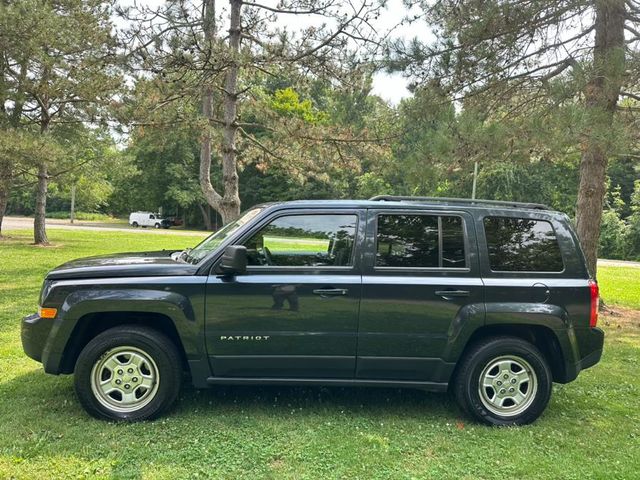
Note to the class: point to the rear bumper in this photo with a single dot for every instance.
(590, 351)
(34, 334)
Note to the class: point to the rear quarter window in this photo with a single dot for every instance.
(522, 245)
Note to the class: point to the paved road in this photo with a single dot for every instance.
(21, 223)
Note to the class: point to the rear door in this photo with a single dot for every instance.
(421, 285)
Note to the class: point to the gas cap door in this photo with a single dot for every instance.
(540, 292)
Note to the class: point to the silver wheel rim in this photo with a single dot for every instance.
(125, 379)
(507, 385)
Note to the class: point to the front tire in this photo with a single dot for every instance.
(129, 373)
(135, 225)
(504, 381)
(157, 225)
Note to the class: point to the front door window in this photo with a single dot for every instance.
(304, 241)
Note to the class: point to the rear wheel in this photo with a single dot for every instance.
(504, 381)
(128, 373)
(157, 225)
(135, 225)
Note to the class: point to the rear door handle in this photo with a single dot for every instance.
(447, 294)
(330, 292)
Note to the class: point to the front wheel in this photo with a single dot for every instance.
(504, 381)
(135, 225)
(128, 373)
(157, 225)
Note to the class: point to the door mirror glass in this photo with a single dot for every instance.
(234, 261)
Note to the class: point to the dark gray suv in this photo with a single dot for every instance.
(491, 300)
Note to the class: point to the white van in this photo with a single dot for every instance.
(148, 219)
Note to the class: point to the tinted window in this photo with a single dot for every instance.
(522, 245)
(420, 241)
(304, 241)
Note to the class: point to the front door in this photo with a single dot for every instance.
(295, 313)
(421, 288)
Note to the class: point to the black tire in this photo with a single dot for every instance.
(134, 224)
(166, 368)
(157, 225)
(476, 366)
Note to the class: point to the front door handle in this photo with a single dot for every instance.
(330, 292)
(449, 294)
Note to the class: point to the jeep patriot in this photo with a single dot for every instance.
(490, 300)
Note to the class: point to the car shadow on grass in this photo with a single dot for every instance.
(38, 396)
(300, 401)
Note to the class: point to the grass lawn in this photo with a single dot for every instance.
(620, 285)
(590, 430)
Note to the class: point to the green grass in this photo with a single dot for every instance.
(296, 244)
(590, 430)
(620, 285)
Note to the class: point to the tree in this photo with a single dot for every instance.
(225, 66)
(58, 65)
(510, 54)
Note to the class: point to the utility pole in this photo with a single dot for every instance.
(73, 203)
(475, 179)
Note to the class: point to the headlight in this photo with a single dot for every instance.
(44, 291)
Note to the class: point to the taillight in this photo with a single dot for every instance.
(595, 303)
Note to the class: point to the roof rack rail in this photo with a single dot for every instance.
(463, 201)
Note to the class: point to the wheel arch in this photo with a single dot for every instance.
(92, 324)
(542, 337)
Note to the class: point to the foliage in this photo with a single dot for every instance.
(287, 102)
(82, 216)
(370, 184)
(613, 235)
(59, 69)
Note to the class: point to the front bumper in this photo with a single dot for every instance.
(34, 333)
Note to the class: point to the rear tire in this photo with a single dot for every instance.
(135, 225)
(157, 225)
(503, 381)
(128, 373)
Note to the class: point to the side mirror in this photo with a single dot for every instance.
(234, 261)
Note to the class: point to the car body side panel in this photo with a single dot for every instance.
(559, 301)
(181, 299)
(406, 328)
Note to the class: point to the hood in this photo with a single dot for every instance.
(138, 264)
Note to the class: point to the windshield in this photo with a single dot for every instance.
(213, 241)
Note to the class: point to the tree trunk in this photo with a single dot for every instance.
(39, 227)
(206, 217)
(601, 99)
(72, 212)
(227, 204)
(230, 208)
(4, 197)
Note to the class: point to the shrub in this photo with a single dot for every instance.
(80, 216)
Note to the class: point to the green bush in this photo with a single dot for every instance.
(80, 216)
(613, 236)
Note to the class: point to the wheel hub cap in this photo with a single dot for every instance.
(507, 385)
(124, 379)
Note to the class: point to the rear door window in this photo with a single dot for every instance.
(420, 241)
(522, 245)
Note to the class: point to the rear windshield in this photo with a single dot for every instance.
(522, 245)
